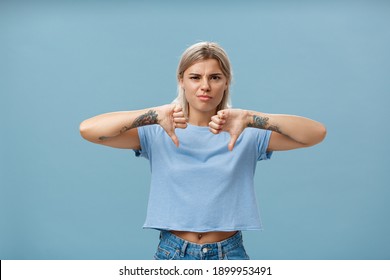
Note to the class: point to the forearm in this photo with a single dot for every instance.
(302, 130)
(106, 126)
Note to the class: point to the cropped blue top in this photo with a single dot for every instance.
(201, 186)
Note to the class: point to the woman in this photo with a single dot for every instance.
(202, 190)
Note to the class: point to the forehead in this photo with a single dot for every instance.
(205, 66)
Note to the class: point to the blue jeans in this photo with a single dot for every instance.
(172, 247)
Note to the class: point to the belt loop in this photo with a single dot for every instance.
(220, 255)
(183, 248)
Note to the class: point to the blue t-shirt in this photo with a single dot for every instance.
(201, 186)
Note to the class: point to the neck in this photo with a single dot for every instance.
(200, 118)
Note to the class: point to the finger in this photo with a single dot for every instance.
(215, 126)
(179, 120)
(174, 139)
(178, 114)
(233, 139)
(222, 114)
(172, 135)
(180, 125)
(177, 108)
(216, 119)
(215, 131)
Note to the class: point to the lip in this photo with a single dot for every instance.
(204, 97)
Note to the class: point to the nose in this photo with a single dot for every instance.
(205, 86)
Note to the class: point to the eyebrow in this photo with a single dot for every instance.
(213, 74)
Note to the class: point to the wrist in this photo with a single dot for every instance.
(160, 112)
(257, 120)
(163, 112)
(249, 118)
(146, 117)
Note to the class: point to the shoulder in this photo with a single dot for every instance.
(148, 130)
(259, 134)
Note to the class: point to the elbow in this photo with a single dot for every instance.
(316, 136)
(320, 135)
(85, 131)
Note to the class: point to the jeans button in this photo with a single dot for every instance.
(204, 250)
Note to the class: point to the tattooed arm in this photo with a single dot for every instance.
(288, 131)
(292, 132)
(119, 129)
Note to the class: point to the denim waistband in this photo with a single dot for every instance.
(220, 248)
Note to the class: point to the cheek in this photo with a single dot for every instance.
(221, 91)
(219, 99)
(189, 94)
(190, 86)
(186, 94)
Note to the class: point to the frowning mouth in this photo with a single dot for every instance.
(204, 97)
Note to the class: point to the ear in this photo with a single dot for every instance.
(180, 82)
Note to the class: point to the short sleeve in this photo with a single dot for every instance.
(145, 134)
(263, 141)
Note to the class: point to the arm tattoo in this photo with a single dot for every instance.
(262, 122)
(259, 122)
(274, 128)
(145, 119)
(103, 138)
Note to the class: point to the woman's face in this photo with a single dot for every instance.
(204, 85)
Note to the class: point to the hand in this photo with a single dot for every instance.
(232, 121)
(171, 116)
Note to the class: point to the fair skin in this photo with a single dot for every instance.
(204, 85)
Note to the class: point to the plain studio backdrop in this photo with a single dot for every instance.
(64, 61)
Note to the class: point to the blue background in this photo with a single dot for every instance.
(64, 61)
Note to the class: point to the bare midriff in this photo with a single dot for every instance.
(204, 237)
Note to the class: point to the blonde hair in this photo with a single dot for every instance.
(198, 52)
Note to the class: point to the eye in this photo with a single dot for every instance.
(215, 77)
(194, 78)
